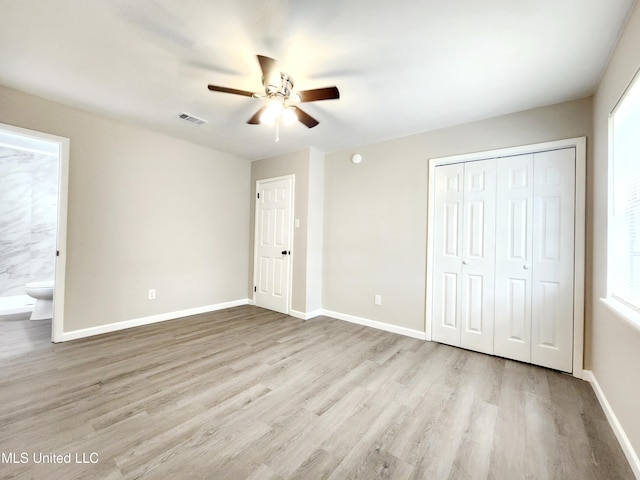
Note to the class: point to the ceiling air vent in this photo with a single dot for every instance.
(191, 119)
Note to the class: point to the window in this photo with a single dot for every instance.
(624, 202)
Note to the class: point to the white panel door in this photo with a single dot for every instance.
(447, 254)
(274, 207)
(514, 236)
(535, 258)
(553, 259)
(478, 256)
(464, 255)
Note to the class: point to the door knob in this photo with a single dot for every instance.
(285, 252)
(526, 267)
(464, 262)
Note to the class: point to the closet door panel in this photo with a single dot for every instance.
(553, 259)
(513, 243)
(447, 254)
(478, 256)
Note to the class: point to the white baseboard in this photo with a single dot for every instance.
(305, 316)
(314, 314)
(136, 322)
(627, 448)
(409, 332)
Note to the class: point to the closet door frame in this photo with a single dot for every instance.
(579, 143)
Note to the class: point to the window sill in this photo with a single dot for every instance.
(621, 310)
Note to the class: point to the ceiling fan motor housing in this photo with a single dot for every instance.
(284, 89)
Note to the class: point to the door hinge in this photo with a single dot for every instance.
(57, 253)
(258, 194)
(255, 289)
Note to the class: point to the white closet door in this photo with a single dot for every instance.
(534, 258)
(447, 254)
(553, 262)
(478, 256)
(503, 258)
(514, 236)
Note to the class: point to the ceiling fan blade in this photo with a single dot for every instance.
(255, 120)
(235, 91)
(305, 118)
(266, 65)
(327, 93)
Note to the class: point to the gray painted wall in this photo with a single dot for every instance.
(145, 211)
(615, 344)
(375, 213)
(315, 235)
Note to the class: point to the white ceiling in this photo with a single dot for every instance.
(402, 66)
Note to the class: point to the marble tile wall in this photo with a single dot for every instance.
(28, 198)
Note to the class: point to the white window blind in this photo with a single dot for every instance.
(624, 219)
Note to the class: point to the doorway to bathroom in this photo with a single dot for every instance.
(34, 170)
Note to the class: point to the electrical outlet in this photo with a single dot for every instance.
(152, 294)
(377, 300)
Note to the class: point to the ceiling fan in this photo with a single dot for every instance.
(278, 91)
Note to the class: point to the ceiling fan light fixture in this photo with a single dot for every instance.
(289, 116)
(275, 106)
(267, 117)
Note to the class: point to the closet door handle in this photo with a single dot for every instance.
(464, 262)
(526, 267)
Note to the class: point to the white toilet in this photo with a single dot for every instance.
(43, 293)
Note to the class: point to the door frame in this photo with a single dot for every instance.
(580, 144)
(57, 322)
(289, 294)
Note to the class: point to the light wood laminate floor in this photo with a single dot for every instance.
(246, 393)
